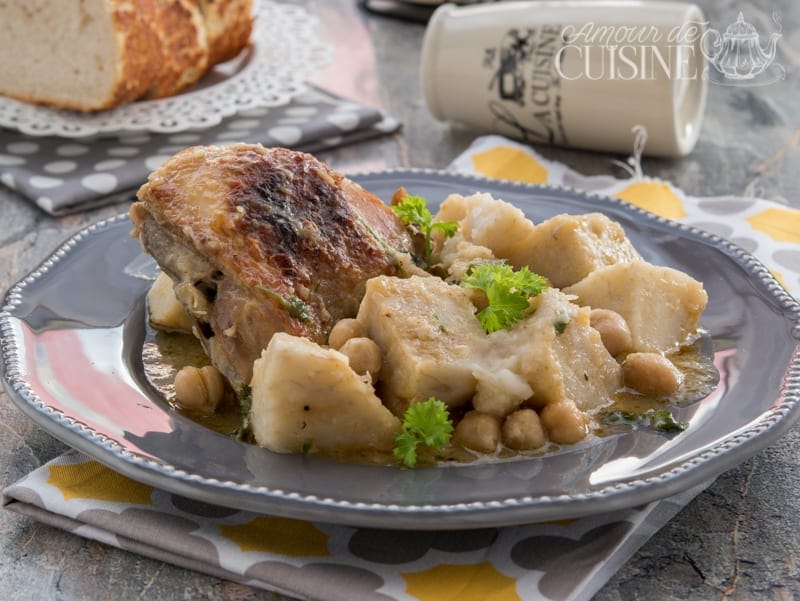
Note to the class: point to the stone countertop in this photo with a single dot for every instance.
(737, 540)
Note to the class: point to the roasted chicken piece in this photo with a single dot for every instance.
(263, 240)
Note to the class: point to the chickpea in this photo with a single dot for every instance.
(564, 422)
(523, 431)
(651, 373)
(614, 330)
(343, 330)
(200, 389)
(478, 431)
(365, 356)
(398, 196)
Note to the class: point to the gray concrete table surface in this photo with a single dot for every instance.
(739, 539)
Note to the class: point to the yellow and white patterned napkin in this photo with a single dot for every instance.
(557, 561)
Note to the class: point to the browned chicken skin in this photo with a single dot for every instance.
(260, 240)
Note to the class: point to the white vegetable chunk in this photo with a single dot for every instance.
(566, 248)
(305, 394)
(499, 391)
(434, 345)
(661, 305)
(166, 312)
(428, 333)
(559, 354)
(458, 256)
(490, 222)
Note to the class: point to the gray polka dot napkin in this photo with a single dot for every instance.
(65, 175)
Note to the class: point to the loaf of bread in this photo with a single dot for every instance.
(98, 54)
(228, 24)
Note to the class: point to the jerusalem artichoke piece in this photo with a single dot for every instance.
(566, 248)
(458, 256)
(304, 394)
(486, 221)
(559, 354)
(499, 391)
(661, 305)
(165, 310)
(428, 333)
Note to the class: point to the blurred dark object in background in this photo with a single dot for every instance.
(397, 9)
(418, 12)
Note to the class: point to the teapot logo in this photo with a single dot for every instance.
(738, 55)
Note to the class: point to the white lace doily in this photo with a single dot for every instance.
(284, 52)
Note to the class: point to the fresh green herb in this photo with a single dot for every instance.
(659, 419)
(508, 292)
(243, 432)
(561, 324)
(427, 423)
(297, 308)
(619, 416)
(440, 324)
(293, 304)
(663, 421)
(413, 210)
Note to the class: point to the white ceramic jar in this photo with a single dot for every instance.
(576, 73)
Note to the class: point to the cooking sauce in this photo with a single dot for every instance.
(164, 353)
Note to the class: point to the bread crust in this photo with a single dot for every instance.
(229, 24)
(139, 51)
(184, 50)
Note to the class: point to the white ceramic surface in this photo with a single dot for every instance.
(576, 73)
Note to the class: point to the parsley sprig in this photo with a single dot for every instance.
(293, 304)
(658, 419)
(427, 423)
(244, 431)
(507, 291)
(413, 210)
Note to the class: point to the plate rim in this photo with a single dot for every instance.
(699, 468)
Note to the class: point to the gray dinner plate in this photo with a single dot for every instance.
(72, 335)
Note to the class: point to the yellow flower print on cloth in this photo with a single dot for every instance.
(92, 480)
(654, 196)
(506, 162)
(475, 582)
(295, 538)
(782, 224)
